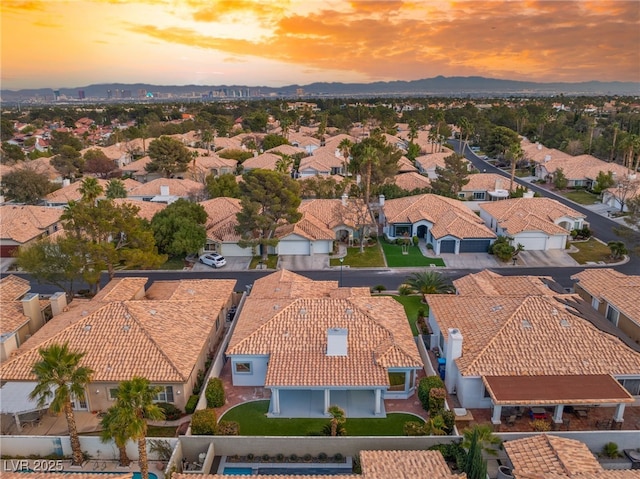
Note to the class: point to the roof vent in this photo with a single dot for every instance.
(276, 307)
(303, 311)
(126, 328)
(565, 323)
(348, 311)
(84, 313)
(87, 327)
(496, 308)
(127, 315)
(152, 312)
(526, 324)
(554, 312)
(191, 291)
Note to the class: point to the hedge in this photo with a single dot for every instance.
(426, 385)
(204, 422)
(215, 393)
(191, 404)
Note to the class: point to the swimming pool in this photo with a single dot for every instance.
(238, 471)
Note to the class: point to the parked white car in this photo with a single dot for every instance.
(213, 259)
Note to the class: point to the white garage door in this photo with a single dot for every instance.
(322, 246)
(530, 242)
(294, 247)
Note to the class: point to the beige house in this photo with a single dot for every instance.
(315, 344)
(166, 190)
(486, 187)
(221, 227)
(488, 283)
(411, 181)
(614, 295)
(265, 161)
(71, 192)
(164, 333)
(23, 224)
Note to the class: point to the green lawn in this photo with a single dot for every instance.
(414, 257)
(152, 431)
(272, 261)
(177, 262)
(582, 197)
(592, 251)
(411, 306)
(253, 422)
(372, 258)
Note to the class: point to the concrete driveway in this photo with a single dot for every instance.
(303, 263)
(234, 263)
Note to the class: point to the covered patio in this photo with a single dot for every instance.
(558, 392)
(310, 403)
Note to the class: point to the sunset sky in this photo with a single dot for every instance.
(58, 43)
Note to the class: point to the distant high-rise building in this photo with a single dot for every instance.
(142, 93)
(56, 94)
(109, 95)
(126, 94)
(80, 94)
(300, 91)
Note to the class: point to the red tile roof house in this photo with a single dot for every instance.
(166, 190)
(447, 224)
(314, 345)
(164, 333)
(529, 350)
(23, 224)
(71, 192)
(485, 187)
(538, 224)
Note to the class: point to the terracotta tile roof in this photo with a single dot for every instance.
(147, 209)
(122, 289)
(405, 465)
(72, 192)
(412, 181)
(619, 290)
(432, 160)
(534, 335)
(487, 182)
(335, 140)
(117, 151)
(449, 216)
(544, 454)
(286, 150)
(177, 187)
(265, 161)
(288, 318)
(530, 214)
(227, 143)
(12, 288)
(221, 218)
(11, 316)
(137, 166)
(210, 161)
(605, 474)
(322, 160)
(22, 223)
(333, 213)
(488, 283)
(405, 165)
(122, 339)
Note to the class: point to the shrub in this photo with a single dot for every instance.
(452, 452)
(191, 404)
(416, 240)
(293, 457)
(197, 386)
(421, 312)
(338, 457)
(266, 457)
(204, 422)
(307, 458)
(280, 457)
(171, 413)
(215, 393)
(436, 400)
(449, 418)
(610, 450)
(413, 428)
(322, 457)
(425, 385)
(404, 290)
(379, 288)
(228, 428)
(250, 457)
(540, 425)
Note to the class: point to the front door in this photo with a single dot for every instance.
(422, 231)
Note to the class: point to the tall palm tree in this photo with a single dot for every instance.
(429, 282)
(370, 159)
(115, 426)
(466, 129)
(59, 375)
(514, 154)
(345, 148)
(134, 402)
(483, 433)
(207, 137)
(90, 190)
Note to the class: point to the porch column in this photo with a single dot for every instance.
(557, 414)
(275, 401)
(497, 412)
(18, 425)
(618, 415)
(378, 401)
(327, 401)
(457, 247)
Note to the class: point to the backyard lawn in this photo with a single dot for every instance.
(591, 251)
(414, 257)
(253, 422)
(582, 197)
(372, 258)
(411, 306)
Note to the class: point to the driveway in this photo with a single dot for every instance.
(234, 263)
(303, 263)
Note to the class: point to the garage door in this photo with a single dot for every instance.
(296, 247)
(448, 246)
(474, 246)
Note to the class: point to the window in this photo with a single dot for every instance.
(479, 195)
(631, 385)
(113, 394)
(401, 230)
(486, 393)
(396, 381)
(165, 394)
(242, 368)
(612, 314)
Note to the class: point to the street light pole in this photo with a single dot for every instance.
(341, 261)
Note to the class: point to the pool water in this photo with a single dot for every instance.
(237, 471)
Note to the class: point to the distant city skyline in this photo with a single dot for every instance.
(68, 44)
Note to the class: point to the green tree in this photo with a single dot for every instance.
(97, 163)
(268, 199)
(429, 282)
(6, 129)
(26, 185)
(475, 466)
(116, 189)
(559, 179)
(500, 140)
(617, 248)
(337, 419)
(168, 156)
(603, 181)
(503, 249)
(223, 186)
(452, 177)
(514, 154)
(90, 190)
(375, 160)
(116, 427)
(135, 405)
(60, 139)
(345, 149)
(69, 162)
(179, 229)
(487, 440)
(271, 141)
(10, 154)
(60, 377)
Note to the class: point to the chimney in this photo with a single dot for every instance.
(345, 197)
(547, 158)
(164, 190)
(528, 194)
(31, 309)
(66, 182)
(453, 352)
(58, 303)
(498, 184)
(381, 200)
(539, 146)
(337, 342)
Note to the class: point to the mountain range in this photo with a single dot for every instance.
(438, 86)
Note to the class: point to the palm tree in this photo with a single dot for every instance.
(514, 154)
(369, 158)
(466, 129)
(337, 418)
(616, 126)
(207, 137)
(485, 438)
(617, 248)
(60, 375)
(429, 282)
(134, 402)
(90, 189)
(115, 426)
(345, 148)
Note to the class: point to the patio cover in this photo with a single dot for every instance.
(14, 398)
(548, 390)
